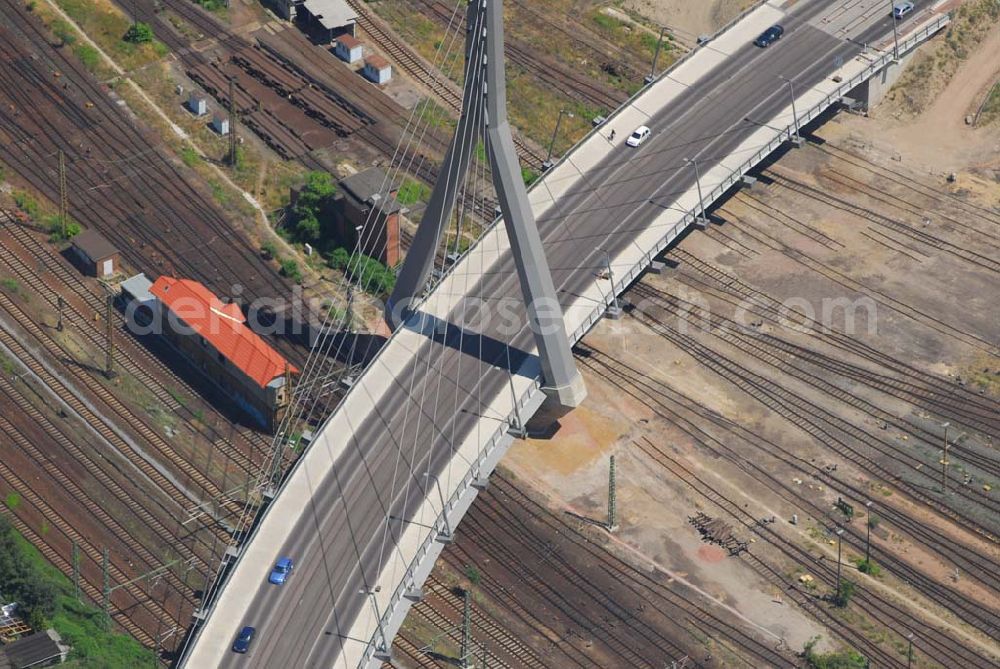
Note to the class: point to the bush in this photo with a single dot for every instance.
(843, 597)
(290, 268)
(139, 33)
(64, 31)
(26, 203)
(367, 273)
(847, 659)
(869, 567)
(529, 176)
(472, 573)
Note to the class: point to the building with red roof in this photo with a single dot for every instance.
(214, 336)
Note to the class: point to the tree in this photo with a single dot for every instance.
(843, 596)
(139, 33)
(314, 198)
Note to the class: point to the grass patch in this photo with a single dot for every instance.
(88, 55)
(868, 567)
(107, 26)
(47, 597)
(845, 659)
(13, 500)
(189, 156)
(412, 192)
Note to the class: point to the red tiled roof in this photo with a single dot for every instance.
(223, 326)
(349, 41)
(377, 61)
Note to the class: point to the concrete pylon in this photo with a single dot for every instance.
(485, 93)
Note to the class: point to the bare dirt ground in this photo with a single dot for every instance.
(807, 348)
(688, 19)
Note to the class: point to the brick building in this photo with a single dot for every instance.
(358, 196)
(214, 337)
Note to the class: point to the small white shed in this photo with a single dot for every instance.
(220, 124)
(198, 104)
(349, 49)
(377, 69)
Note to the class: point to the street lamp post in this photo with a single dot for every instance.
(795, 139)
(909, 650)
(552, 143)
(656, 56)
(895, 32)
(614, 311)
(702, 220)
(448, 535)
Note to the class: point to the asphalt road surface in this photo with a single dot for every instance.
(340, 542)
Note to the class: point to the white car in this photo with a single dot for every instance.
(640, 135)
(901, 9)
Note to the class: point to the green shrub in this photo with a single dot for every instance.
(843, 596)
(472, 573)
(189, 156)
(367, 273)
(139, 33)
(868, 567)
(13, 499)
(26, 203)
(64, 31)
(290, 268)
(412, 192)
(847, 659)
(529, 176)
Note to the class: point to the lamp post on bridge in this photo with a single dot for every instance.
(795, 139)
(614, 311)
(895, 31)
(547, 164)
(448, 535)
(701, 221)
(656, 56)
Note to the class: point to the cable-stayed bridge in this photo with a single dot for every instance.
(379, 492)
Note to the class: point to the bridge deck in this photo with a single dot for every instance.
(439, 404)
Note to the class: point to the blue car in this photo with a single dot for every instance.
(282, 569)
(769, 36)
(243, 639)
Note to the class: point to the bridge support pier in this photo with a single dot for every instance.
(485, 99)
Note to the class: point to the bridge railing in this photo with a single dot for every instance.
(444, 520)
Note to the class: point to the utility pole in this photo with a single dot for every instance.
(465, 653)
(656, 56)
(60, 304)
(944, 461)
(868, 539)
(109, 359)
(840, 536)
(76, 570)
(106, 604)
(232, 122)
(63, 196)
(909, 650)
(612, 496)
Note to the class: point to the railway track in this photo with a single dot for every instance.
(426, 74)
(643, 603)
(935, 643)
(173, 227)
(678, 410)
(133, 359)
(107, 432)
(827, 427)
(58, 561)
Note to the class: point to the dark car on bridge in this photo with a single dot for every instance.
(243, 639)
(769, 36)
